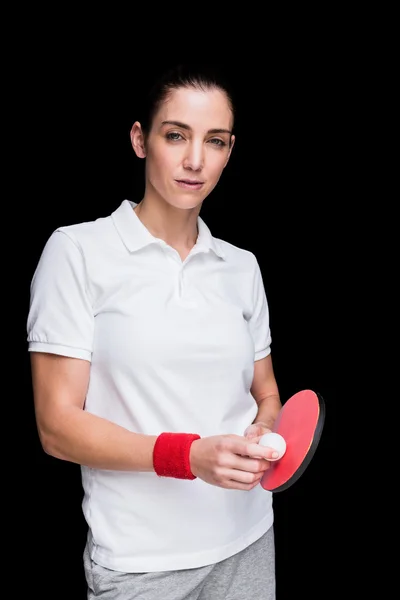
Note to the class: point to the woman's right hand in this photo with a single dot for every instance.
(229, 461)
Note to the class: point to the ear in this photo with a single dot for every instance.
(230, 149)
(137, 140)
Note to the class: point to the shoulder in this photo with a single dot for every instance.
(83, 237)
(236, 255)
(86, 232)
(73, 248)
(102, 233)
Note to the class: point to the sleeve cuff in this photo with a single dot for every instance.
(262, 353)
(60, 349)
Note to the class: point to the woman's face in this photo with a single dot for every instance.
(188, 146)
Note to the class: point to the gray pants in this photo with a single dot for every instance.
(250, 574)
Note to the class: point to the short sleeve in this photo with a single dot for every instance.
(60, 318)
(259, 320)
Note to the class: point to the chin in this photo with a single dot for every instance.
(185, 203)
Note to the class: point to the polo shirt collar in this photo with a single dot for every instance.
(136, 236)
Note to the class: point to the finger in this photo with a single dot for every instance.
(234, 485)
(254, 450)
(249, 430)
(256, 438)
(252, 431)
(251, 465)
(244, 477)
(253, 437)
(237, 485)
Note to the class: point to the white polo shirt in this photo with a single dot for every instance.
(172, 346)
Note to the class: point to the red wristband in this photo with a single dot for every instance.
(171, 455)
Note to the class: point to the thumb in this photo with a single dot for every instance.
(252, 431)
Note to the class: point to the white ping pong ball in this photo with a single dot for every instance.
(275, 441)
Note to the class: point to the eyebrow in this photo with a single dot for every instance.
(185, 126)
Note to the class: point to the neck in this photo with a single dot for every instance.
(176, 226)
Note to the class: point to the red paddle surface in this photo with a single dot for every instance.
(300, 423)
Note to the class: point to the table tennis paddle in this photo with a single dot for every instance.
(300, 422)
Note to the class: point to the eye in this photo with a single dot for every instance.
(217, 142)
(174, 136)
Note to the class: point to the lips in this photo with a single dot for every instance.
(190, 181)
(190, 184)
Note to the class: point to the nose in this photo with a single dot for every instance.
(194, 157)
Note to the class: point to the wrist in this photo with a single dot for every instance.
(171, 455)
(265, 424)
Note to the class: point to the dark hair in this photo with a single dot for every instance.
(202, 77)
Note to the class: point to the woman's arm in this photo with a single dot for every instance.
(67, 432)
(266, 393)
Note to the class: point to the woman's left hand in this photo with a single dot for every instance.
(256, 430)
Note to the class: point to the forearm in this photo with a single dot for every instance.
(80, 437)
(268, 410)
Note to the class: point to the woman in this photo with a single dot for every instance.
(151, 366)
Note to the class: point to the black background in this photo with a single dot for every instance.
(281, 197)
